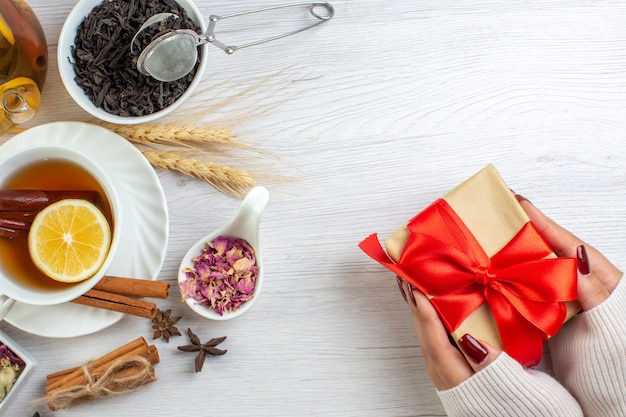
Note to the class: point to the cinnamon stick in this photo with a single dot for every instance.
(15, 224)
(117, 302)
(35, 200)
(134, 287)
(14, 227)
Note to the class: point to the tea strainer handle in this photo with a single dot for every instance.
(322, 11)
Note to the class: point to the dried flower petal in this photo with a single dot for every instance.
(224, 275)
(5, 352)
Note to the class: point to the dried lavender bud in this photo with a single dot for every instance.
(224, 276)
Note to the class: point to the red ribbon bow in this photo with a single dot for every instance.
(525, 291)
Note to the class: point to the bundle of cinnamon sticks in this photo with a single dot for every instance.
(122, 370)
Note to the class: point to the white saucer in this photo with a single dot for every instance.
(146, 224)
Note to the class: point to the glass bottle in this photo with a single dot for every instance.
(23, 63)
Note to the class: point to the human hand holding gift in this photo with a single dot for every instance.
(447, 366)
(587, 354)
(484, 267)
(580, 354)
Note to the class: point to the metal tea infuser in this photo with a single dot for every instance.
(173, 55)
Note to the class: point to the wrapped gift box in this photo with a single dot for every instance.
(485, 268)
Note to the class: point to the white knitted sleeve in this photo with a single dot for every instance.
(589, 356)
(506, 389)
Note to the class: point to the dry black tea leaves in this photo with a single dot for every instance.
(163, 325)
(105, 67)
(203, 349)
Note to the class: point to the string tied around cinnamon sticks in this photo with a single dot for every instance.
(125, 375)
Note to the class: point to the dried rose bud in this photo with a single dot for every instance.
(224, 275)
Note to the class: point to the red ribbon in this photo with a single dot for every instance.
(525, 291)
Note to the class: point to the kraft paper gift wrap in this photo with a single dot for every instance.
(484, 267)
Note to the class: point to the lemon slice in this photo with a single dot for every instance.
(6, 31)
(69, 240)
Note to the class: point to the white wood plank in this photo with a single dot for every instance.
(373, 115)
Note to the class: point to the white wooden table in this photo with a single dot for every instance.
(373, 116)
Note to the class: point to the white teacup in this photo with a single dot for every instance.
(13, 283)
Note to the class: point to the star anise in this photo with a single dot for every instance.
(203, 349)
(164, 325)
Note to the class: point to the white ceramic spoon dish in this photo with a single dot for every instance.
(244, 225)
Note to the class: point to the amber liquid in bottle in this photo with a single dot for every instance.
(23, 62)
(43, 175)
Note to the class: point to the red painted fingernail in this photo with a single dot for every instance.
(472, 348)
(521, 198)
(411, 296)
(400, 286)
(582, 260)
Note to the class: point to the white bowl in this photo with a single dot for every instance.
(66, 68)
(244, 225)
(17, 289)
